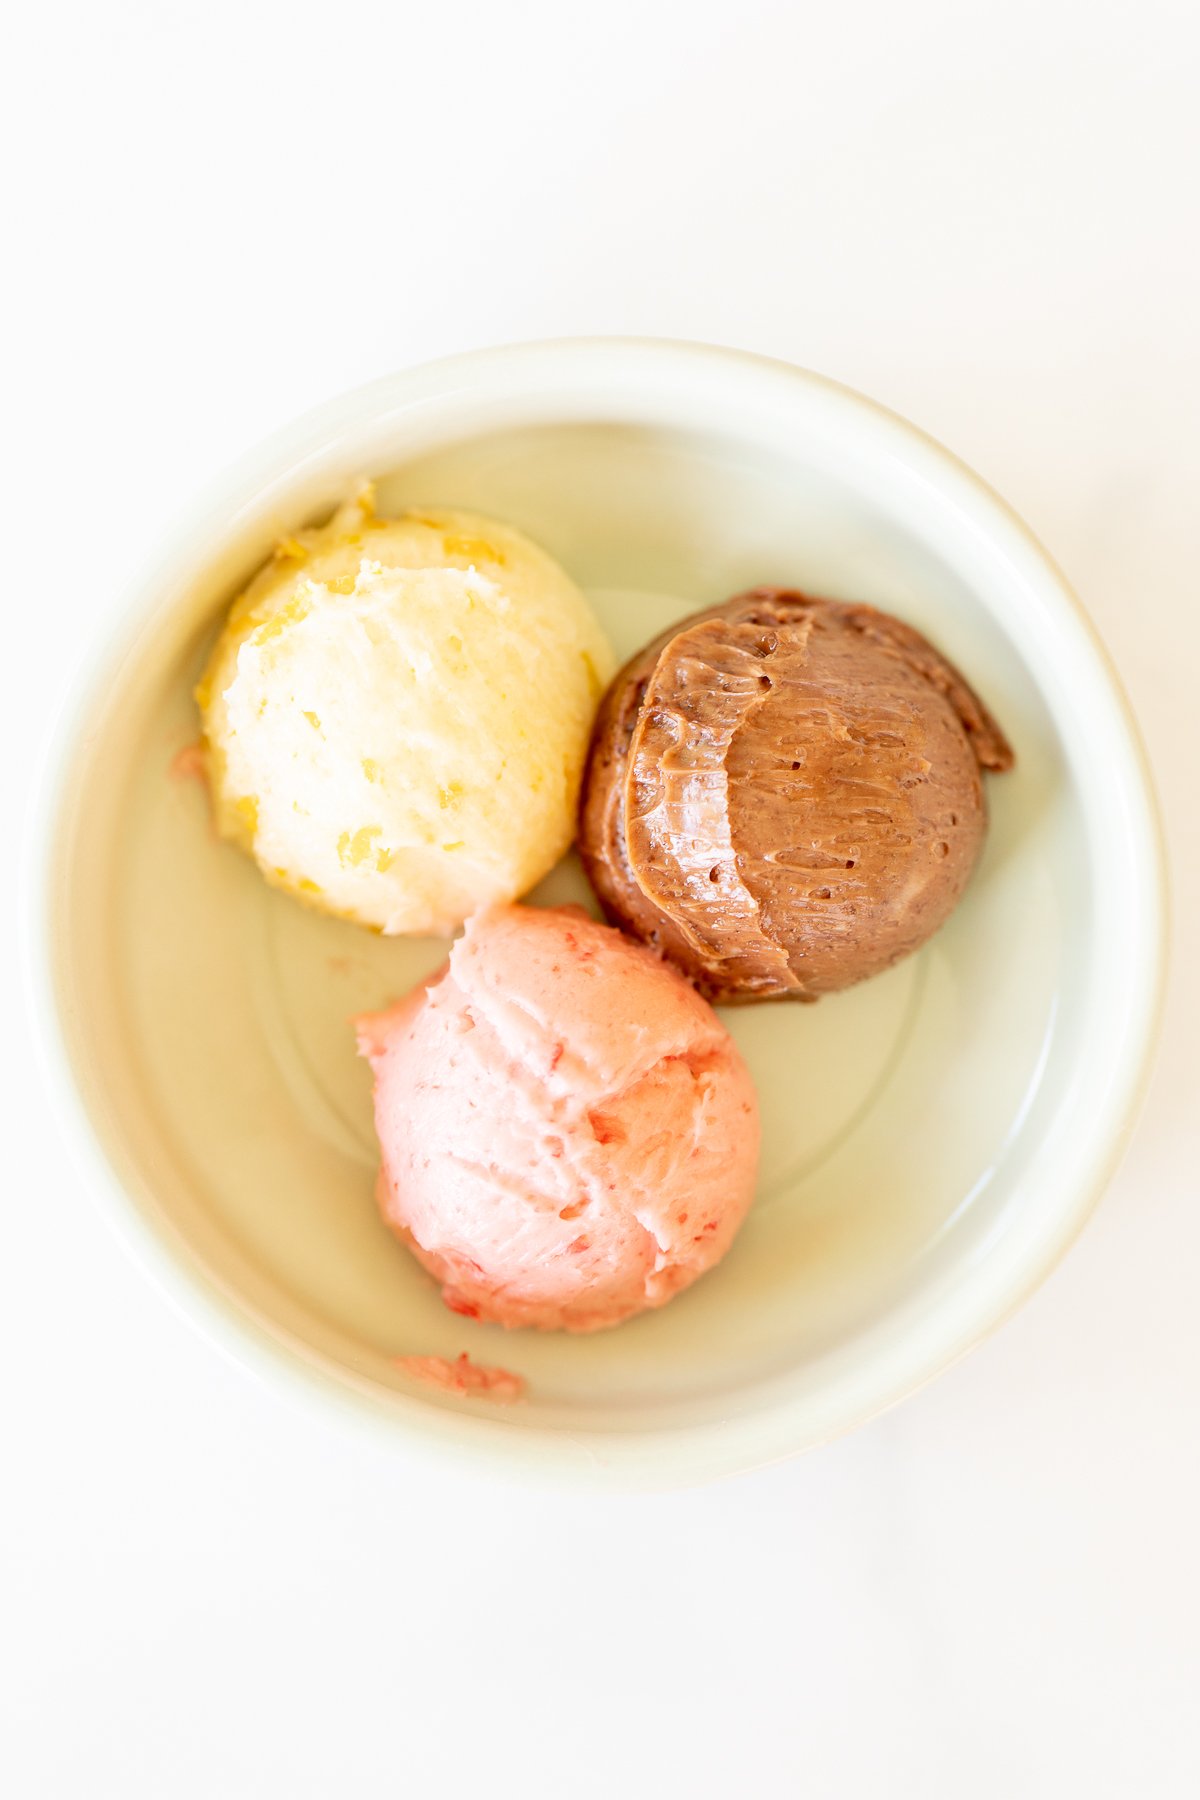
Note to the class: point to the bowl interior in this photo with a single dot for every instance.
(208, 1016)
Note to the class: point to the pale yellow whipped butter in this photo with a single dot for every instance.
(396, 715)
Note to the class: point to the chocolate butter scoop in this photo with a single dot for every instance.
(785, 794)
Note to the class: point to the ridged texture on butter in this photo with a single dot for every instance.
(785, 794)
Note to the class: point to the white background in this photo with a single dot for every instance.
(984, 215)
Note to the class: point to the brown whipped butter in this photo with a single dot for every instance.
(784, 795)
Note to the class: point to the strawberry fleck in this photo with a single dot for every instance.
(457, 1304)
(189, 764)
(605, 1128)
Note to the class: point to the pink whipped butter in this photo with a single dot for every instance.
(459, 1375)
(568, 1132)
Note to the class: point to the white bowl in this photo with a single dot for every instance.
(934, 1138)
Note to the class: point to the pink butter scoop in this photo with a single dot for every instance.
(569, 1134)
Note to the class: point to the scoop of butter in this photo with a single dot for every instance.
(396, 715)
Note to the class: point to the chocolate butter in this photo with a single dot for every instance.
(784, 794)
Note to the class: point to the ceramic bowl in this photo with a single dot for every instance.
(934, 1139)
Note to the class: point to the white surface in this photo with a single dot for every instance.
(987, 223)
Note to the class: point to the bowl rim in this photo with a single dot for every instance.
(663, 1457)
